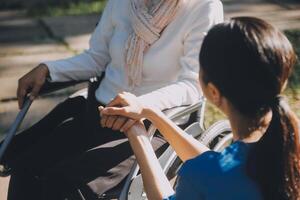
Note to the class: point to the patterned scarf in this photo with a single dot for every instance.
(148, 24)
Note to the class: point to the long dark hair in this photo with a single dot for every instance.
(250, 61)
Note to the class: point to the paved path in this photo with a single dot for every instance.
(284, 16)
(25, 42)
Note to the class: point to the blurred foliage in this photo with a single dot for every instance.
(293, 90)
(55, 7)
(79, 8)
(8, 4)
(294, 37)
(212, 114)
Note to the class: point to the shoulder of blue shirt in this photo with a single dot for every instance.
(215, 162)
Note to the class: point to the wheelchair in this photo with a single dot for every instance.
(190, 118)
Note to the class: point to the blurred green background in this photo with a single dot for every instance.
(55, 7)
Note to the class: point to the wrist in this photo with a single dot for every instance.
(136, 132)
(147, 113)
(150, 113)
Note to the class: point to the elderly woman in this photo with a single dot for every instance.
(147, 47)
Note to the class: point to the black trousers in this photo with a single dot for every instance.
(68, 150)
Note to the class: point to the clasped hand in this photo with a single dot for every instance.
(122, 112)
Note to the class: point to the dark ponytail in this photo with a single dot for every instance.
(274, 162)
(249, 61)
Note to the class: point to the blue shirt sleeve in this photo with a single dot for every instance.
(185, 188)
(188, 185)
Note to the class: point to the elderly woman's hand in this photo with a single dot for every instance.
(115, 114)
(116, 123)
(125, 104)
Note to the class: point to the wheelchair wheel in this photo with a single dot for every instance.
(168, 160)
(217, 137)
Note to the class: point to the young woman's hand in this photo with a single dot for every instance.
(125, 104)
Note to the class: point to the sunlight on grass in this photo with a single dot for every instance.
(294, 37)
(212, 114)
(293, 90)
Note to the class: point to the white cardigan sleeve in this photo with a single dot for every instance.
(186, 90)
(91, 62)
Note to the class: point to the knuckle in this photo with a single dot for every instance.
(127, 125)
(22, 92)
(125, 110)
(132, 122)
(21, 79)
(110, 121)
(39, 83)
(117, 122)
(110, 125)
(125, 128)
(21, 83)
(115, 127)
(121, 95)
(22, 86)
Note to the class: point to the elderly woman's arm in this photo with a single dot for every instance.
(91, 62)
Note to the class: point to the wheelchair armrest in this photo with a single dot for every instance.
(176, 114)
(180, 111)
(49, 87)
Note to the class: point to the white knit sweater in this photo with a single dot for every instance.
(170, 69)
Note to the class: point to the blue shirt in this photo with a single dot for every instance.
(217, 176)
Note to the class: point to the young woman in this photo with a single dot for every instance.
(147, 47)
(245, 64)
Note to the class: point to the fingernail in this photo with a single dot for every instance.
(121, 130)
(100, 108)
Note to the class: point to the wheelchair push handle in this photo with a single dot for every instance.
(14, 127)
